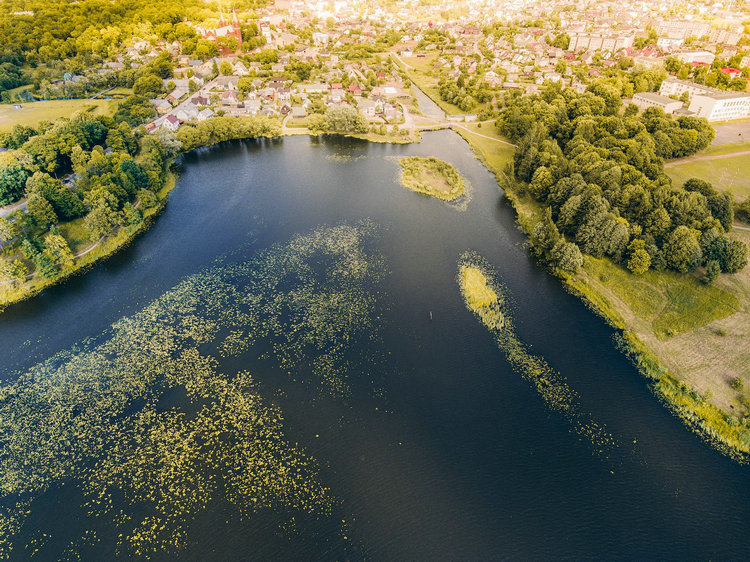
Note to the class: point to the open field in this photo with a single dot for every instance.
(496, 150)
(727, 167)
(425, 80)
(34, 112)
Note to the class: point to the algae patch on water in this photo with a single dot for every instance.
(432, 177)
(487, 299)
(93, 418)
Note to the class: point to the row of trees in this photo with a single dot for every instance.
(338, 119)
(599, 172)
(219, 129)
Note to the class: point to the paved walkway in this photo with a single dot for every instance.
(8, 209)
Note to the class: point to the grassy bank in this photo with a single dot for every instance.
(420, 72)
(689, 339)
(77, 237)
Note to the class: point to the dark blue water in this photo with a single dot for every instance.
(459, 458)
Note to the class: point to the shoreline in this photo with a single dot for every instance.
(123, 236)
(107, 248)
(683, 401)
(709, 422)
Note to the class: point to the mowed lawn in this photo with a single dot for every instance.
(33, 112)
(728, 173)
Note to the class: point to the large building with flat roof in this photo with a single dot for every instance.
(721, 106)
(644, 100)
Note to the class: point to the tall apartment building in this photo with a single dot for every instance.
(600, 42)
(682, 29)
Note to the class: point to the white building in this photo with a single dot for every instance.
(597, 41)
(721, 106)
(676, 87)
(696, 56)
(645, 100)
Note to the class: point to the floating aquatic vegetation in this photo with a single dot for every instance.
(92, 417)
(342, 157)
(486, 298)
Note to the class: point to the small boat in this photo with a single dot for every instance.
(430, 316)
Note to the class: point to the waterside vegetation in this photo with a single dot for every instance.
(432, 177)
(683, 331)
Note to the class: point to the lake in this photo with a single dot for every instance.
(257, 377)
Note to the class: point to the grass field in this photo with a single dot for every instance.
(495, 153)
(729, 173)
(34, 112)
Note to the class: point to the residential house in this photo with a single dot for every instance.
(171, 123)
(187, 112)
(176, 95)
(162, 106)
(252, 107)
(205, 113)
(229, 98)
(226, 83)
(368, 108)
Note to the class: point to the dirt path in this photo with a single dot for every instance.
(707, 157)
(481, 135)
(87, 250)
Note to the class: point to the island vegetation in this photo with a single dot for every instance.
(485, 296)
(431, 176)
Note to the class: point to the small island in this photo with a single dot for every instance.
(432, 177)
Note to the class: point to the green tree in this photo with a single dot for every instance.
(712, 272)
(567, 256)
(147, 198)
(681, 249)
(12, 271)
(149, 86)
(12, 183)
(316, 123)
(345, 119)
(40, 210)
(639, 259)
(8, 230)
(100, 220)
(57, 250)
(225, 68)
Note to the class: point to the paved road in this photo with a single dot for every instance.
(203, 91)
(729, 133)
(5, 211)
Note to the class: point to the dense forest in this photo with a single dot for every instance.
(598, 171)
(45, 37)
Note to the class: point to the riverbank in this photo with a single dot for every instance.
(685, 337)
(104, 248)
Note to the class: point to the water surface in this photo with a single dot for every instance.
(440, 450)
